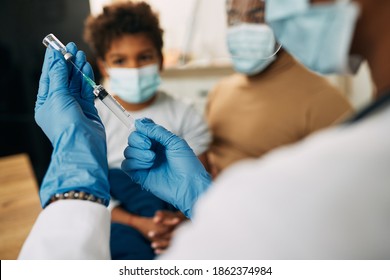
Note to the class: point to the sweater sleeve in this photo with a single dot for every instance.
(326, 108)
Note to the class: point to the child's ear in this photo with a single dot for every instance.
(102, 68)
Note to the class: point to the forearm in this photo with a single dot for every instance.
(141, 224)
(69, 229)
(119, 215)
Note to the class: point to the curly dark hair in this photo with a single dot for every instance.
(122, 19)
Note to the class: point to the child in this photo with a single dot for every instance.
(127, 41)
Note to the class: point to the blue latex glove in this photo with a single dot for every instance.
(66, 113)
(165, 165)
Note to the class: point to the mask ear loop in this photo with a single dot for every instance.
(272, 55)
(275, 52)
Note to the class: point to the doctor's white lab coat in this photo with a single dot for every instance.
(327, 197)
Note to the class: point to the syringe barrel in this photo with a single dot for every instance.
(51, 40)
(114, 106)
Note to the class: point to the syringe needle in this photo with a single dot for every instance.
(88, 79)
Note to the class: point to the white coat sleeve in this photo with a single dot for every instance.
(69, 229)
(324, 198)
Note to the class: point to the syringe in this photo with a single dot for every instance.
(98, 90)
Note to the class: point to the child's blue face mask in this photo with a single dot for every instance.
(135, 85)
(318, 35)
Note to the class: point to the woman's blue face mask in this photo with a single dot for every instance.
(251, 46)
(318, 35)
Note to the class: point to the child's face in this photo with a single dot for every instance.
(131, 51)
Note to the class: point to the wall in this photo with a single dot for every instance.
(23, 26)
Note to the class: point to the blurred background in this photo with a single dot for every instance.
(194, 48)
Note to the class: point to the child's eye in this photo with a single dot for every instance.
(118, 62)
(146, 57)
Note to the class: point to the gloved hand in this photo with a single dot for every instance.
(66, 113)
(165, 165)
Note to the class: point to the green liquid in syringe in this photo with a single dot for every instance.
(88, 79)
